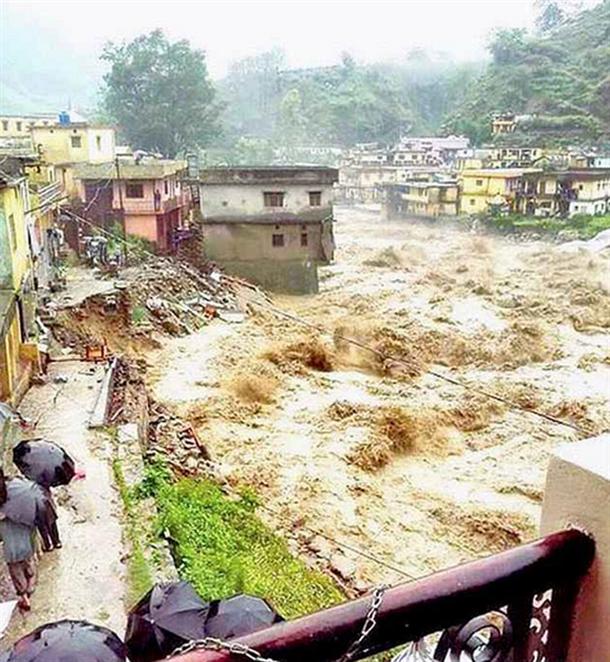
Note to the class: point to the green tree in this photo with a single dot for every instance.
(160, 94)
(508, 45)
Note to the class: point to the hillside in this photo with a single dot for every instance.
(342, 104)
(562, 78)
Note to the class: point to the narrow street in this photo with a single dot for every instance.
(86, 578)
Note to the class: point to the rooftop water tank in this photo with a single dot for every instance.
(64, 118)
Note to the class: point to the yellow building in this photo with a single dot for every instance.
(485, 189)
(64, 145)
(18, 353)
(14, 126)
(76, 142)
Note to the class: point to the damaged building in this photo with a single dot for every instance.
(271, 225)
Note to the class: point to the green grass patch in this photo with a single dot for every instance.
(223, 548)
(583, 226)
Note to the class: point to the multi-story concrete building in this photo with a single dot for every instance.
(426, 199)
(18, 352)
(145, 195)
(67, 144)
(491, 189)
(272, 225)
(14, 126)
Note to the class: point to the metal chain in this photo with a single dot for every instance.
(213, 644)
(234, 648)
(370, 623)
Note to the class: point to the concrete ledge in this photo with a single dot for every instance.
(578, 495)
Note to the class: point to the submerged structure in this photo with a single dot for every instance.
(271, 225)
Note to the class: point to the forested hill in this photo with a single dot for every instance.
(342, 104)
(561, 78)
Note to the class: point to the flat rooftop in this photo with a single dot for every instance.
(129, 169)
(269, 175)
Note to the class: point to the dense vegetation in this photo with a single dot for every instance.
(577, 227)
(160, 94)
(561, 77)
(223, 548)
(339, 105)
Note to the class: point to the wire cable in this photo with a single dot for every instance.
(433, 373)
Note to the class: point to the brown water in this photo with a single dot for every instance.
(522, 319)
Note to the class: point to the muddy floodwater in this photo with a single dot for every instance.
(372, 449)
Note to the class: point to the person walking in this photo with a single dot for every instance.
(46, 521)
(20, 557)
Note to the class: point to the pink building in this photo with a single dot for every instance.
(146, 195)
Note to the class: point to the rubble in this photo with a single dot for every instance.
(175, 439)
(176, 298)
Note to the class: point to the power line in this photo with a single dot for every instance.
(450, 380)
(433, 373)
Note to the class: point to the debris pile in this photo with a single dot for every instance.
(176, 298)
(175, 439)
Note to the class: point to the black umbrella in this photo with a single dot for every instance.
(239, 615)
(69, 641)
(26, 501)
(44, 462)
(168, 616)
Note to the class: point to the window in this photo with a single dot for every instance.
(98, 142)
(134, 190)
(277, 240)
(75, 141)
(273, 199)
(479, 182)
(166, 186)
(18, 125)
(303, 238)
(12, 230)
(315, 198)
(5, 125)
(472, 202)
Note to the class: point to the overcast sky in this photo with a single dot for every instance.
(310, 32)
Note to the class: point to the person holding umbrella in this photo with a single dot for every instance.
(68, 641)
(48, 465)
(18, 514)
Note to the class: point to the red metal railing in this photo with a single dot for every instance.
(534, 586)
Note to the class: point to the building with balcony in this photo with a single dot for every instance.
(425, 199)
(145, 195)
(585, 191)
(272, 225)
(564, 193)
(489, 189)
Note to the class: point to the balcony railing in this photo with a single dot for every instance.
(49, 194)
(523, 597)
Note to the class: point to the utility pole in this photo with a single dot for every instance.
(121, 207)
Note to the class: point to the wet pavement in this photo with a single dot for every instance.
(86, 578)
